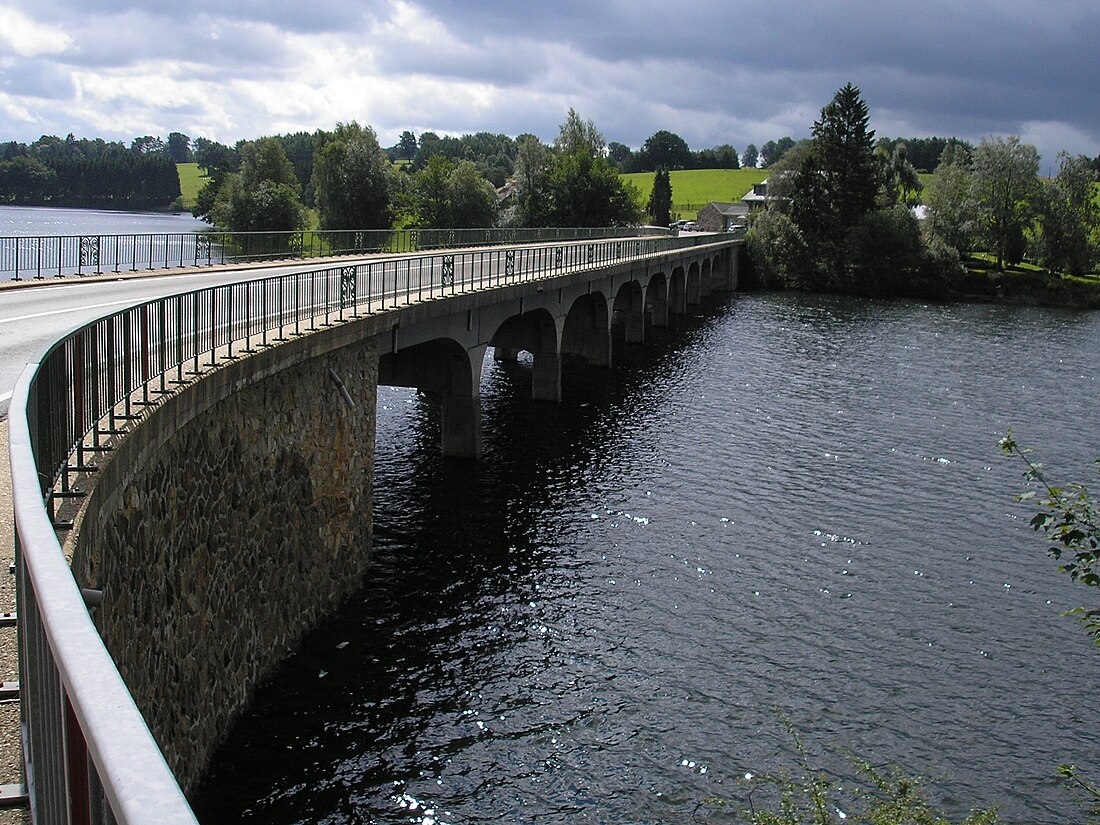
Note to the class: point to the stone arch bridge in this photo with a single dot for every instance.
(192, 480)
(440, 347)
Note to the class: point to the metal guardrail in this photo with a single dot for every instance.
(89, 755)
(59, 256)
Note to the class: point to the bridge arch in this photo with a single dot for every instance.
(656, 300)
(587, 330)
(445, 368)
(706, 286)
(628, 313)
(537, 332)
(694, 286)
(677, 292)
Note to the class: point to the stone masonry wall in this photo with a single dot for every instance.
(220, 536)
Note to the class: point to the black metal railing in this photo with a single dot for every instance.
(59, 256)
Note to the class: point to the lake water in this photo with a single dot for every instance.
(793, 502)
(38, 220)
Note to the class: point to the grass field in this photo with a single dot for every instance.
(698, 187)
(191, 181)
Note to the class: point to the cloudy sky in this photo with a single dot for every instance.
(713, 71)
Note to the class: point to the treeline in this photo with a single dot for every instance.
(353, 183)
(86, 173)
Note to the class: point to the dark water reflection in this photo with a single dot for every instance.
(795, 502)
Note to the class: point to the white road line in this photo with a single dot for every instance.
(70, 309)
(6, 396)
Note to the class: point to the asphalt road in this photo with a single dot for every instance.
(36, 314)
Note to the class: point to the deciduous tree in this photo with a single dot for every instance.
(1005, 176)
(951, 209)
(352, 179)
(1069, 218)
(664, 150)
(263, 196)
(578, 136)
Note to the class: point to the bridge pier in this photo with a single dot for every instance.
(461, 426)
(546, 377)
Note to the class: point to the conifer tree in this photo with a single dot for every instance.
(660, 199)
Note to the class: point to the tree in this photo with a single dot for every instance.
(446, 195)
(844, 148)
(210, 154)
(430, 196)
(353, 180)
(579, 136)
(406, 145)
(727, 157)
(587, 191)
(300, 147)
(900, 181)
(778, 251)
(836, 184)
(951, 207)
(622, 156)
(664, 150)
(1069, 517)
(179, 147)
(263, 196)
(782, 173)
(772, 151)
(1005, 177)
(146, 145)
(266, 160)
(531, 171)
(473, 200)
(580, 186)
(751, 157)
(660, 199)
(1069, 218)
(720, 157)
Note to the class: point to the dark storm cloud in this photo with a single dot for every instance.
(714, 71)
(992, 64)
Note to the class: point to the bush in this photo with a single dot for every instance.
(779, 253)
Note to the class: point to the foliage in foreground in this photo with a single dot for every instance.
(1069, 517)
(810, 796)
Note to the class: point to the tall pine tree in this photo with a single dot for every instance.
(660, 199)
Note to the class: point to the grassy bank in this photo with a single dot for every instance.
(191, 181)
(1026, 284)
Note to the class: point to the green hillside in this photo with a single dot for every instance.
(692, 189)
(191, 181)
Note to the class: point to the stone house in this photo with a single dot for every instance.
(719, 217)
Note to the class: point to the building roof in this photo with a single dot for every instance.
(727, 208)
